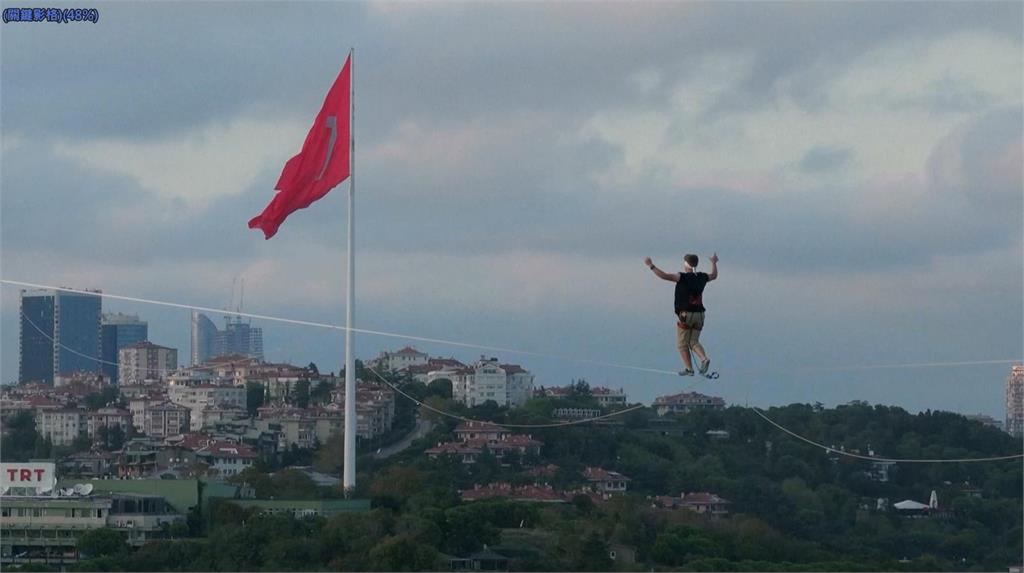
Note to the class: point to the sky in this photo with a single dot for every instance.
(857, 167)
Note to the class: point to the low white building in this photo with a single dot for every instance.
(198, 398)
(401, 359)
(61, 426)
(109, 418)
(686, 402)
(486, 379)
(226, 459)
(164, 419)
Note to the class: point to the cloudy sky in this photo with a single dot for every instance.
(856, 166)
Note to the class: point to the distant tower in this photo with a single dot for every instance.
(203, 336)
(239, 337)
(1015, 401)
(60, 334)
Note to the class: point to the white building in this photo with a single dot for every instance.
(227, 458)
(520, 384)
(108, 417)
(61, 426)
(402, 359)
(165, 419)
(198, 398)
(686, 402)
(608, 398)
(486, 379)
(145, 361)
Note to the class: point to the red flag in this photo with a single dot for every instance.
(322, 163)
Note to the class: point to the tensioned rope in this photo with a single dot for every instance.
(880, 459)
(499, 348)
(610, 364)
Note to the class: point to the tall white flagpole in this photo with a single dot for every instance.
(349, 477)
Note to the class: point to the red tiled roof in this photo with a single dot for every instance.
(450, 362)
(222, 449)
(41, 402)
(519, 440)
(513, 369)
(192, 441)
(601, 474)
(454, 448)
(467, 427)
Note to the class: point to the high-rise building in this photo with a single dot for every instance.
(118, 331)
(239, 337)
(145, 361)
(60, 334)
(1015, 401)
(203, 335)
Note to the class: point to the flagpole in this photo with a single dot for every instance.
(349, 477)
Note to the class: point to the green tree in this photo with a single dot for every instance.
(594, 555)
(440, 387)
(302, 393)
(402, 554)
(107, 396)
(20, 439)
(101, 542)
(320, 392)
(254, 396)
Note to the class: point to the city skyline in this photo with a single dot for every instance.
(237, 317)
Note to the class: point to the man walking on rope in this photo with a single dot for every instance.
(689, 306)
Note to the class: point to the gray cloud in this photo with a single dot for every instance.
(443, 61)
(51, 203)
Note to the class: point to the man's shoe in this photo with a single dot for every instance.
(686, 372)
(704, 365)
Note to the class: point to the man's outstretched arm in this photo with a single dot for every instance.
(671, 277)
(714, 268)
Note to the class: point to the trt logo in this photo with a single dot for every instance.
(40, 476)
(25, 475)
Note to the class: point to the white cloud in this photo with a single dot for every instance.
(216, 160)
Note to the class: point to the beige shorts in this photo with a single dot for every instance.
(688, 329)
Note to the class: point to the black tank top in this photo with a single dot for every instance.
(689, 292)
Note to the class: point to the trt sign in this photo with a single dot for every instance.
(38, 476)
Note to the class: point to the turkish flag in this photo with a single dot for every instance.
(322, 163)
